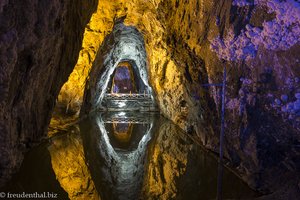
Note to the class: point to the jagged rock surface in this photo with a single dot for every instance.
(69, 165)
(39, 45)
(177, 38)
(176, 35)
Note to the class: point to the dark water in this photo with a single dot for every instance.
(125, 156)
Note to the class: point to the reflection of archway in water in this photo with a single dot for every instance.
(122, 131)
(118, 155)
(117, 170)
(169, 166)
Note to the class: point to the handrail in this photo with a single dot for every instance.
(127, 96)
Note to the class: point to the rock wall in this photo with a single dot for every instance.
(178, 38)
(100, 24)
(40, 42)
(39, 45)
(169, 73)
(256, 126)
(69, 165)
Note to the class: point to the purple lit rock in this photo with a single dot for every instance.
(277, 101)
(281, 33)
(289, 81)
(284, 98)
(297, 105)
(290, 106)
(283, 109)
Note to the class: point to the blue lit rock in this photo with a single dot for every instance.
(297, 105)
(290, 106)
(283, 109)
(284, 98)
(277, 101)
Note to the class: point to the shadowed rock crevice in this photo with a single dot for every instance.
(40, 41)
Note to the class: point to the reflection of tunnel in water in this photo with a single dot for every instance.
(154, 160)
(122, 132)
(117, 152)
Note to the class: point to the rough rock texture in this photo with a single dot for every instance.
(39, 45)
(177, 37)
(251, 134)
(169, 74)
(101, 23)
(125, 43)
(38, 49)
(69, 166)
(180, 169)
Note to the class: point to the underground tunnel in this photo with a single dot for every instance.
(119, 77)
(158, 99)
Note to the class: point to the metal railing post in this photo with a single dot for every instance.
(221, 148)
(220, 166)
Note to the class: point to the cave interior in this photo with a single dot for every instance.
(158, 99)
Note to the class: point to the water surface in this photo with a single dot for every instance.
(125, 156)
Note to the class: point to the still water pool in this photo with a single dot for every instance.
(124, 156)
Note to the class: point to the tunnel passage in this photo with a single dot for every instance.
(126, 79)
(123, 80)
(119, 76)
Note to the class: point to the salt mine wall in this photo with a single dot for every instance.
(187, 45)
(39, 45)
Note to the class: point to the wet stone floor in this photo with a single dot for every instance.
(125, 156)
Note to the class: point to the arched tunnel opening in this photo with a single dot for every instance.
(119, 76)
(157, 99)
